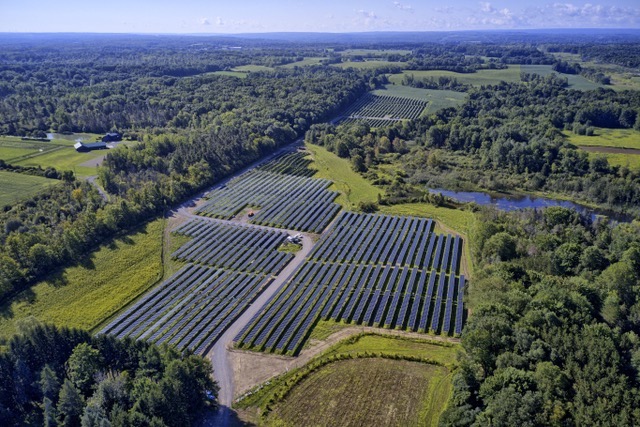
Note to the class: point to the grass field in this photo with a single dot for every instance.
(366, 392)
(619, 138)
(18, 186)
(66, 158)
(622, 78)
(312, 60)
(492, 77)
(238, 74)
(367, 65)
(86, 295)
(632, 161)
(374, 52)
(611, 138)
(251, 68)
(353, 187)
(58, 153)
(420, 389)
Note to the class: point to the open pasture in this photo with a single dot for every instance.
(493, 77)
(18, 186)
(376, 270)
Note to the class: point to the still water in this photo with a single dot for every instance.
(508, 202)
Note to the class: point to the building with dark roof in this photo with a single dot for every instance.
(83, 147)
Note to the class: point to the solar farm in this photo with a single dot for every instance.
(383, 110)
(229, 265)
(375, 270)
(281, 200)
(367, 269)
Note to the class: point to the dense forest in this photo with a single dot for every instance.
(553, 339)
(66, 377)
(197, 131)
(502, 138)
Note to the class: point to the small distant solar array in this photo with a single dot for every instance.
(228, 266)
(282, 200)
(383, 110)
(376, 270)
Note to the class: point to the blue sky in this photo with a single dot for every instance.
(237, 16)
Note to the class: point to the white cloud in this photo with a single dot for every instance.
(219, 21)
(367, 14)
(403, 6)
(444, 9)
(204, 21)
(586, 15)
(486, 7)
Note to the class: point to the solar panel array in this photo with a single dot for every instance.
(376, 270)
(284, 201)
(229, 266)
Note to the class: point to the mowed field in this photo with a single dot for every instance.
(57, 153)
(366, 392)
(18, 186)
(363, 380)
(86, 295)
(492, 77)
(621, 147)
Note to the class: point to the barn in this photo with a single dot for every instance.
(82, 147)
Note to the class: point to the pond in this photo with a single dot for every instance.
(509, 202)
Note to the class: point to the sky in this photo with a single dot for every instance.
(253, 16)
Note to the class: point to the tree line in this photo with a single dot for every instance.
(66, 377)
(553, 339)
(238, 122)
(502, 138)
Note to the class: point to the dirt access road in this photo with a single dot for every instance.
(219, 353)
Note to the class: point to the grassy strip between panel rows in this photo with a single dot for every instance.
(85, 295)
(364, 345)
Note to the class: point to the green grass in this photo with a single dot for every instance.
(374, 391)
(622, 78)
(85, 295)
(611, 138)
(58, 153)
(368, 65)
(618, 138)
(18, 186)
(324, 329)
(66, 158)
(632, 161)
(364, 382)
(251, 68)
(238, 74)
(374, 52)
(492, 77)
(312, 60)
(438, 99)
(289, 247)
(352, 186)
(13, 148)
